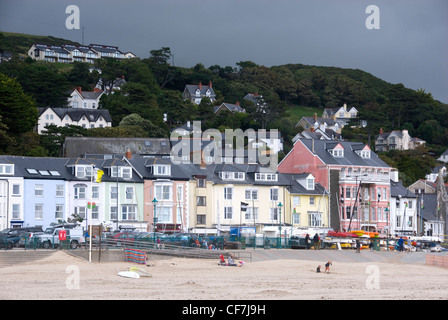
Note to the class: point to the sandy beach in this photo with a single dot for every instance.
(65, 277)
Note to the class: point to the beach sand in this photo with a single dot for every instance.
(65, 277)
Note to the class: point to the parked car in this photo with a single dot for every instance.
(10, 237)
(27, 238)
(50, 238)
(121, 238)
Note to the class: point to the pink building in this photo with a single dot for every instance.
(356, 178)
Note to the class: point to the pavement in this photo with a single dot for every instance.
(340, 255)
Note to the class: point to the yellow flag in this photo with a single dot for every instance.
(99, 174)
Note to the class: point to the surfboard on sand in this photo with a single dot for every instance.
(129, 274)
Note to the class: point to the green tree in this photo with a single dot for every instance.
(17, 109)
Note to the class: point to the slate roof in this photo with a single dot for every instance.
(350, 158)
(76, 114)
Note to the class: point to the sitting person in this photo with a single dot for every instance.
(318, 269)
(327, 267)
(231, 261)
(222, 261)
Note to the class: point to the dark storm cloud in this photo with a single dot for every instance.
(410, 47)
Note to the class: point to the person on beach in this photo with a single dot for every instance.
(222, 261)
(318, 268)
(400, 244)
(371, 245)
(327, 267)
(358, 246)
(231, 261)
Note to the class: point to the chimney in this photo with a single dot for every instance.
(237, 103)
(315, 117)
(200, 85)
(381, 130)
(210, 84)
(79, 89)
(128, 154)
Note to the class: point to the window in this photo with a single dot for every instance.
(228, 212)
(314, 219)
(266, 177)
(39, 190)
(296, 218)
(162, 170)
(83, 172)
(59, 211)
(128, 212)
(274, 194)
(228, 193)
(251, 194)
(310, 184)
(200, 219)
(311, 201)
(38, 211)
(80, 211)
(200, 201)
(274, 214)
(129, 193)
(80, 191)
(228, 175)
(164, 192)
(113, 213)
(201, 182)
(16, 211)
(348, 192)
(59, 190)
(16, 190)
(126, 173)
(113, 192)
(164, 215)
(7, 169)
(296, 201)
(251, 213)
(95, 212)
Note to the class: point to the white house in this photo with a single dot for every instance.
(63, 117)
(84, 99)
(195, 93)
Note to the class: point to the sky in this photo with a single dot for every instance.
(408, 45)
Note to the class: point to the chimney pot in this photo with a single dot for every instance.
(210, 84)
(200, 85)
(128, 154)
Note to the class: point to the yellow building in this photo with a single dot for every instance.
(307, 203)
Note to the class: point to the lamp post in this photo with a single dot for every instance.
(280, 223)
(388, 226)
(154, 201)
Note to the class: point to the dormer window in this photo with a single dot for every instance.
(310, 183)
(83, 171)
(121, 172)
(161, 169)
(266, 177)
(229, 175)
(7, 169)
(337, 153)
(365, 154)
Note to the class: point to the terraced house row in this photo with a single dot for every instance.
(204, 199)
(318, 185)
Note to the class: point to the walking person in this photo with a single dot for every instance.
(316, 241)
(358, 246)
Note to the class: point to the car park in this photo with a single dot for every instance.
(10, 237)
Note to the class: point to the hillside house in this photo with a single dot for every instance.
(398, 140)
(63, 117)
(84, 99)
(195, 93)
